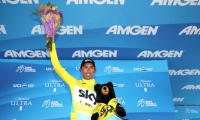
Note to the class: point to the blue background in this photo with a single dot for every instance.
(20, 33)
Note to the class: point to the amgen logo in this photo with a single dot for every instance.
(184, 72)
(99, 2)
(26, 54)
(175, 2)
(132, 30)
(2, 29)
(20, 1)
(191, 87)
(95, 53)
(160, 54)
(69, 30)
(190, 30)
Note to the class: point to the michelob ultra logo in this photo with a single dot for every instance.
(21, 102)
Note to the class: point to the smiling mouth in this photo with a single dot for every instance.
(88, 74)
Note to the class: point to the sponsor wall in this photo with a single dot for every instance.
(32, 87)
(113, 30)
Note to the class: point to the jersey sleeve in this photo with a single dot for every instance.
(59, 69)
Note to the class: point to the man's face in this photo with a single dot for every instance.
(88, 70)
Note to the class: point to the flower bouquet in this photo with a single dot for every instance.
(51, 19)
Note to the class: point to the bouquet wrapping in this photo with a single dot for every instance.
(51, 19)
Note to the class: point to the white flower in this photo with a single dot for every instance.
(53, 8)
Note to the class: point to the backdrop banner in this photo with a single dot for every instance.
(30, 87)
(187, 112)
(107, 30)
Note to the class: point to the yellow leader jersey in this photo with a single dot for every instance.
(82, 91)
(107, 111)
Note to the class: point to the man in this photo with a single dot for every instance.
(82, 91)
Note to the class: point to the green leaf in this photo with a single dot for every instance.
(49, 44)
(48, 4)
(34, 12)
(56, 7)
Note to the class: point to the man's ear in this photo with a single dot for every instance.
(110, 84)
(80, 69)
(96, 87)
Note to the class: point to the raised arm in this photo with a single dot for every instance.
(58, 68)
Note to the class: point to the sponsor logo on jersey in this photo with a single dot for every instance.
(84, 96)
